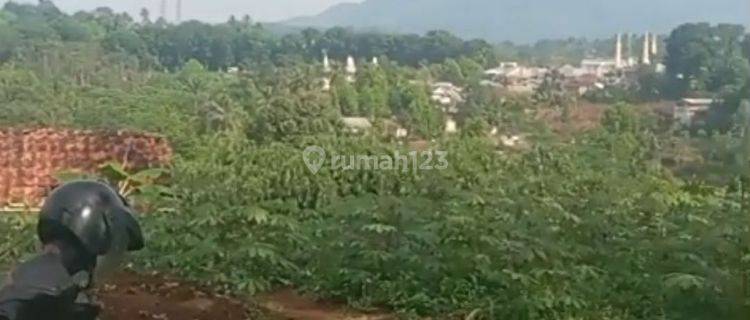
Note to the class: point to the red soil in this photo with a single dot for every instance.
(130, 297)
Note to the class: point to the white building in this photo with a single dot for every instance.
(402, 133)
(450, 125)
(687, 110)
(569, 71)
(393, 128)
(511, 140)
(660, 68)
(447, 95)
(357, 124)
(599, 67)
(514, 77)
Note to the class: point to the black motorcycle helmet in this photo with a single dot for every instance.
(91, 213)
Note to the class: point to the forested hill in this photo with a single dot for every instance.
(528, 21)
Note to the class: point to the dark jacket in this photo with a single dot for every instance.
(42, 289)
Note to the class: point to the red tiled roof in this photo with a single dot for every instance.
(29, 158)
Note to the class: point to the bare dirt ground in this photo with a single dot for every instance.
(130, 297)
(288, 304)
(584, 116)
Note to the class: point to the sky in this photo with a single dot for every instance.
(207, 10)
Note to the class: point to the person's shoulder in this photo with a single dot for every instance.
(41, 275)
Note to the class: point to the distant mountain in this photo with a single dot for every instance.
(527, 20)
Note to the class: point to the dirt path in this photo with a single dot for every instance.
(129, 297)
(287, 304)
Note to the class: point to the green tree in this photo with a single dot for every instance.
(126, 41)
(34, 28)
(10, 39)
(71, 30)
(194, 77)
(372, 85)
(471, 69)
(416, 109)
(484, 105)
(439, 45)
(286, 117)
(552, 92)
(220, 49)
(451, 71)
(651, 84)
(346, 97)
(701, 57)
(145, 16)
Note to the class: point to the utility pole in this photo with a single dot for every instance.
(163, 10)
(179, 11)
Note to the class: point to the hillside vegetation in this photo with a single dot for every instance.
(589, 225)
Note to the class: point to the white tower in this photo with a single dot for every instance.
(326, 63)
(629, 49)
(351, 69)
(375, 61)
(326, 78)
(618, 52)
(654, 45)
(646, 59)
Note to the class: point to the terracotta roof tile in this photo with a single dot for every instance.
(29, 158)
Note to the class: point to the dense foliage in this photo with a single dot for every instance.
(590, 226)
(18, 240)
(218, 47)
(707, 58)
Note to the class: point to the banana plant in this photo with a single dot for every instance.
(146, 184)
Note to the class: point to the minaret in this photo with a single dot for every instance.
(654, 45)
(326, 63)
(351, 69)
(327, 72)
(629, 49)
(646, 59)
(618, 52)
